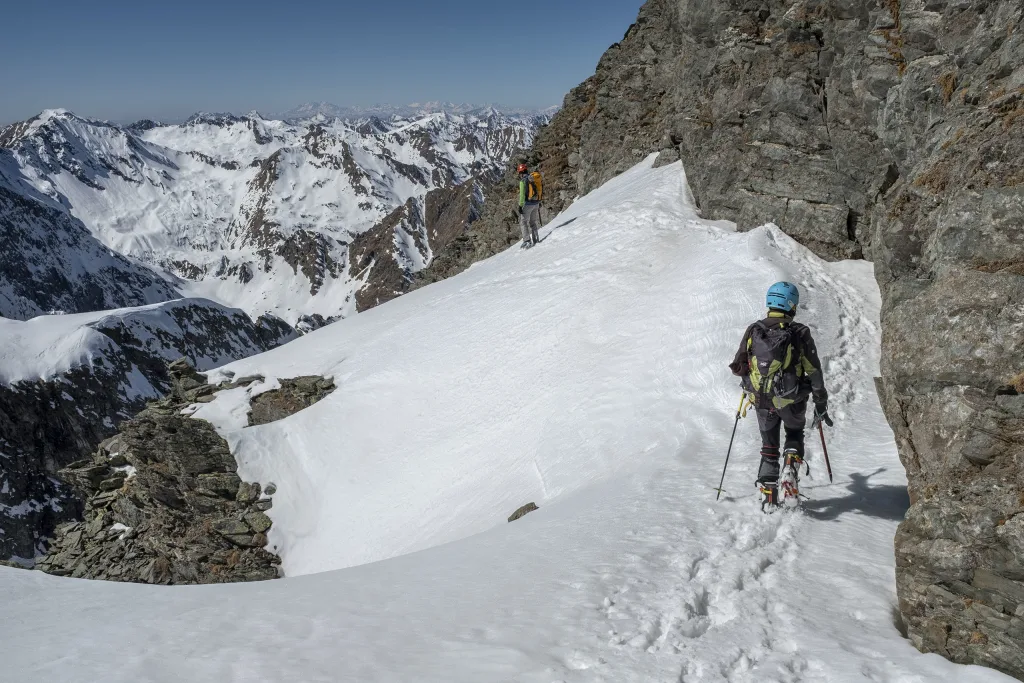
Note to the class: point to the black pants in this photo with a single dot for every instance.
(794, 418)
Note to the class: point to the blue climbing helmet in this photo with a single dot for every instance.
(783, 296)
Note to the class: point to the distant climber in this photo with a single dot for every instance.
(779, 366)
(531, 191)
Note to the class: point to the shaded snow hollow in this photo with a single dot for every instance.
(587, 375)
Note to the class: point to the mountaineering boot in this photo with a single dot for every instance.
(789, 478)
(526, 244)
(768, 478)
(769, 496)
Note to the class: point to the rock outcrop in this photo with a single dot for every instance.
(164, 503)
(293, 395)
(115, 363)
(892, 129)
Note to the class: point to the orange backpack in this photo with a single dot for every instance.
(535, 187)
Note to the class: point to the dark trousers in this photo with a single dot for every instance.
(771, 422)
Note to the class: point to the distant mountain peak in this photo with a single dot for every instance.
(329, 111)
(213, 118)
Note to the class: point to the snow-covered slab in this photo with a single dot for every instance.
(48, 346)
(586, 375)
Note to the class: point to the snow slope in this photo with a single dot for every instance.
(588, 375)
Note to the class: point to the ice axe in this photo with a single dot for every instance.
(740, 412)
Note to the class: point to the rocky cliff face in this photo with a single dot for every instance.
(892, 129)
(67, 382)
(422, 229)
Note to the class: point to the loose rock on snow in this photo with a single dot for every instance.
(294, 395)
(523, 511)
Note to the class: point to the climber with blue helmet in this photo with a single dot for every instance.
(779, 369)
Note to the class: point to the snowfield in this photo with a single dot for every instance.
(587, 375)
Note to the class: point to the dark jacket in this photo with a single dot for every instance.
(807, 357)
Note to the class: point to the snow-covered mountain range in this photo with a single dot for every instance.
(310, 110)
(51, 262)
(250, 212)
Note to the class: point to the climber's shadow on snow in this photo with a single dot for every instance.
(560, 225)
(884, 501)
(563, 224)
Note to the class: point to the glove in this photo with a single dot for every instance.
(821, 414)
(520, 211)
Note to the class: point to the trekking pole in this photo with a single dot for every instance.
(824, 448)
(739, 414)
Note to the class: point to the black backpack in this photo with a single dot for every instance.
(774, 357)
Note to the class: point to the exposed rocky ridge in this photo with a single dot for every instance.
(164, 502)
(892, 129)
(429, 226)
(50, 420)
(371, 259)
(496, 228)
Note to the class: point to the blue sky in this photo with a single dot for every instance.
(128, 60)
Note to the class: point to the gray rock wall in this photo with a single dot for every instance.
(892, 129)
